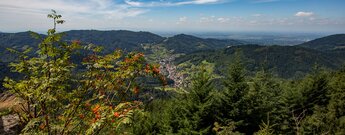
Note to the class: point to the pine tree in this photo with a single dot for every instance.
(264, 97)
(336, 106)
(326, 113)
(193, 114)
(232, 105)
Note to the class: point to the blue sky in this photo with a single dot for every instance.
(177, 15)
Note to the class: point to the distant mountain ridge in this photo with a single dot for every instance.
(123, 39)
(17, 39)
(183, 43)
(332, 42)
(111, 40)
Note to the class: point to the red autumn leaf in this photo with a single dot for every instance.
(95, 109)
(116, 114)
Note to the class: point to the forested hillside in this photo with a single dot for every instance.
(285, 61)
(332, 42)
(17, 40)
(111, 40)
(187, 44)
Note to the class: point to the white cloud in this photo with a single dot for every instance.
(213, 19)
(257, 15)
(182, 20)
(134, 3)
(223, 20)
(304, 14)
(86, 7)
(24, 14)
(199, 2)
(209, 19)
(170, 3)
(264, 1)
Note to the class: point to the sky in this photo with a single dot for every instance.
(177, 15)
